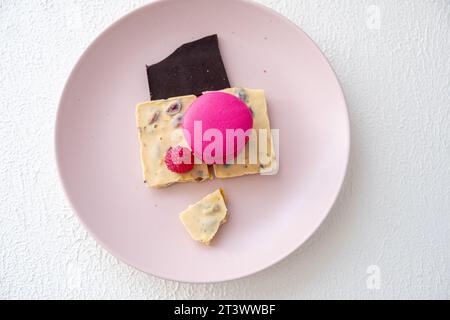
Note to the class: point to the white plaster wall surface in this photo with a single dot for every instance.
(393, 59)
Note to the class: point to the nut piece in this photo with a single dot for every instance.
(174, 108)
(154, 118)
(241, 94)
(177, 120)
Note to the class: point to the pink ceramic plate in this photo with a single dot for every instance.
(270, 216)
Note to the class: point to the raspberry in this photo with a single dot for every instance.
(179, 159)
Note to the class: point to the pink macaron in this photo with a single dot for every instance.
(217, 127)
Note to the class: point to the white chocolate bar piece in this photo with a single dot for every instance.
(159, 124)
(265, 161)
(203, 219)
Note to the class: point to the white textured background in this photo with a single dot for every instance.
(394, 210)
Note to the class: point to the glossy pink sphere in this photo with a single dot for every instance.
(214, 116)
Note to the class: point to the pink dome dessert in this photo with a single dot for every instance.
(217, 127)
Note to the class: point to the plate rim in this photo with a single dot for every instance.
(57, 136)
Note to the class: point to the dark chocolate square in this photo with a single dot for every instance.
(193, 68)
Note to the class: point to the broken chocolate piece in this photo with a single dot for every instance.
(193, 68)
